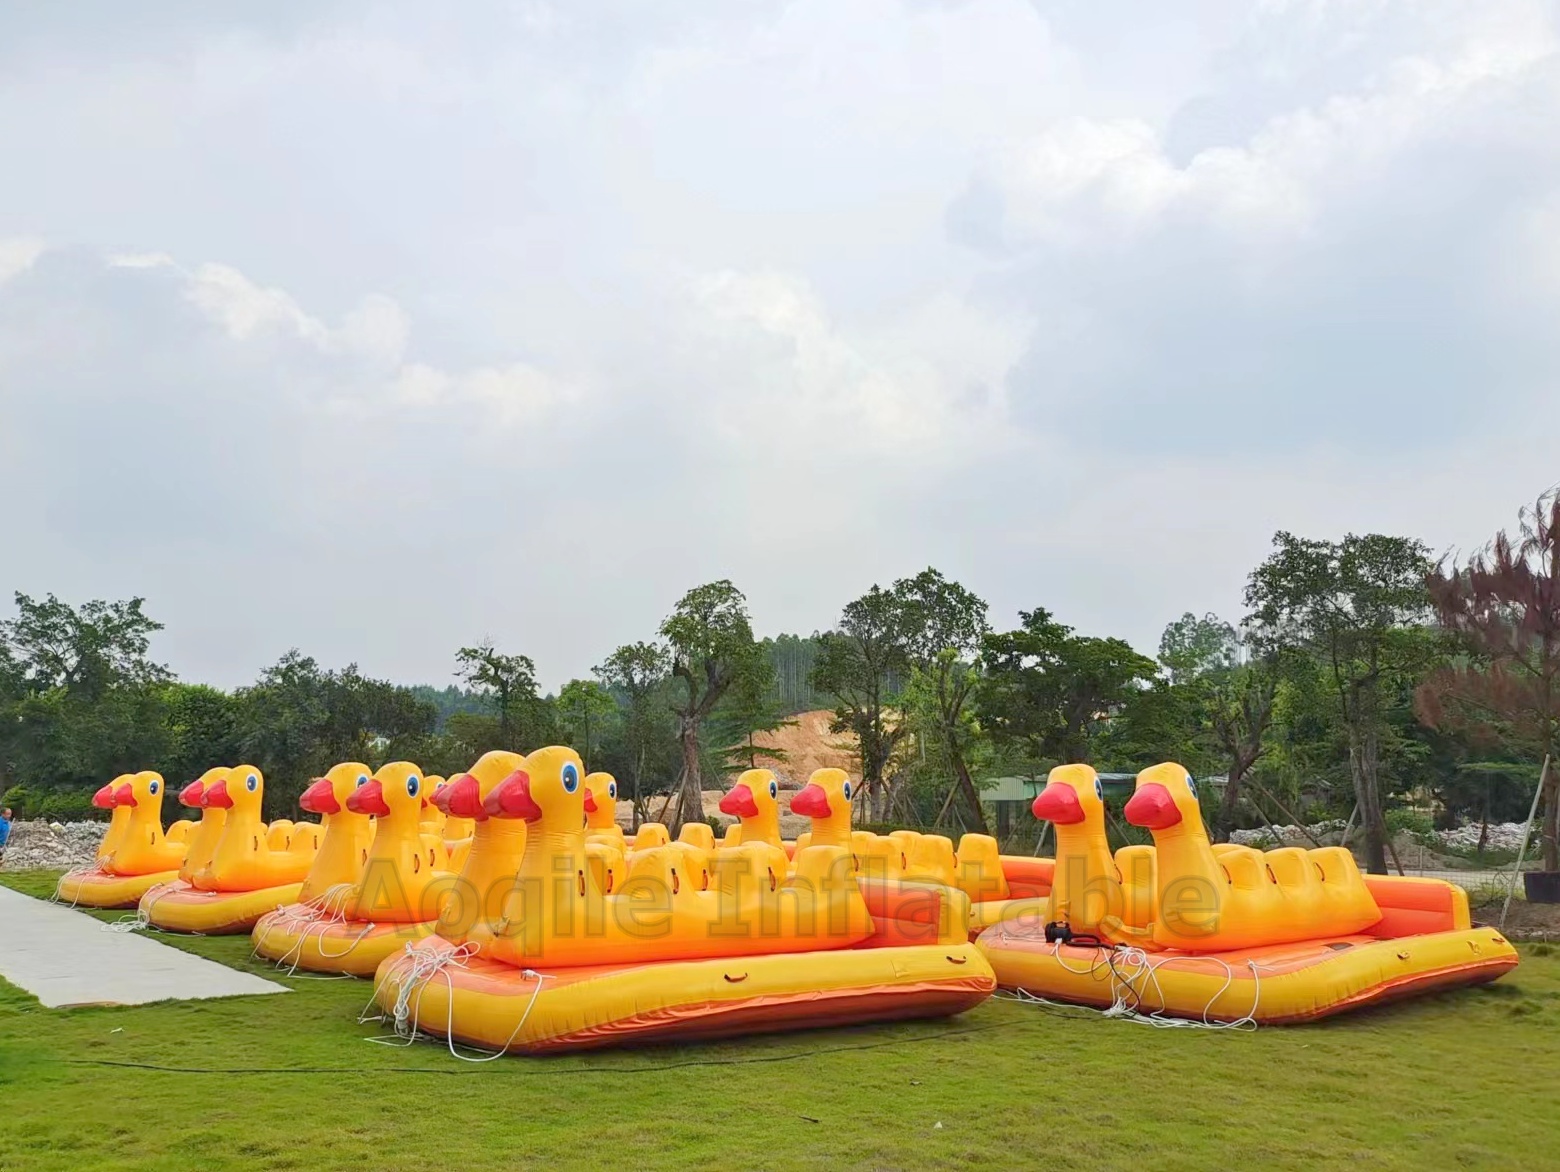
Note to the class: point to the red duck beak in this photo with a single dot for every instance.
(104, 798)
(217, 796)
(123, 796)
(368, 799)
(1153, 808)
(462, 798)
(811, 801)
(738, 802)
(193, 795)
(590, 802)
(320, 798)
(1059, 804)
(511, 798)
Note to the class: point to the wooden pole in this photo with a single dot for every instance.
(1527, 829)
(1284, 810)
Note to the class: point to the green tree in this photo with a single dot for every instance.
(85, 650)
(944, 624)
(508, 684)
(750, 707)
(585, 706)
(1047, 690)
(863, 664)
(712, 647)
(638, 673)
(1503, 608)
(1359, 606)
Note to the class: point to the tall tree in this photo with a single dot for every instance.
(1046, 689)
(863, 664)
(583, 706)
(712, 647)
(85, 650)
(639, 671)
(1504, 608)
(1359, 605)
(750, 707)
(509, 684)
(944, 624)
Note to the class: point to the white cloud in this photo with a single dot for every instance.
(17, 255)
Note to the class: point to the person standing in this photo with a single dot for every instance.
(5, 831)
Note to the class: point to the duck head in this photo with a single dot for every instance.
(104, 798)
(1165, 798)
(756, 796)
(329, 794)
(600, 801)
(826, 800)
(1072, 796)
(241, 791)
(142, 790)
(550, 786)
(194, 794)
(464, 796)
(393, 791)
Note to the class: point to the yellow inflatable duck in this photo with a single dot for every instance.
(208, 831)
(346, 834)
(1086, 889)
(244, 859)
(145, 849)
(496, 846)
(557, 916)
(755, 799)
(397, 881)
(601, 809)
(826, 800)
(119, 819)
(1239, 898)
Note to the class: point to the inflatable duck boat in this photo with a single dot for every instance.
(252, 869)
(368, 903)
(566, 965)
(136, 853)
(1226, 933)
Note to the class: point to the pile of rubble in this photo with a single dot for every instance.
(1503, 836)
(56, 845)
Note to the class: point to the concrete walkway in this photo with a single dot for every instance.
(63, 957)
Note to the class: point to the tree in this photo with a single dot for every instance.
(1504, 610)
(943, 627)
(639, 671)
(583, 705)
(750, 707)
(1046, 689)
(1359, 605)
(1191, 647)
(85, 651)
(508, 683)
(863, 665)
(712, 647)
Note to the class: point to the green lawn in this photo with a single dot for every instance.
(1468, 1079)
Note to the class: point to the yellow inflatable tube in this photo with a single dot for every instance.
(499, 1007)
(178, 907)
(95, 887)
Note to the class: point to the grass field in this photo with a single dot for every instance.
(1466, 1079)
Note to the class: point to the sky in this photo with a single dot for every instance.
(376, 330)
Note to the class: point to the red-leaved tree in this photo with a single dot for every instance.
(1505, 607)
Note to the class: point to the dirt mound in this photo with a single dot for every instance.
(808, 745)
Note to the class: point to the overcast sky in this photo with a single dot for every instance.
(371, 330)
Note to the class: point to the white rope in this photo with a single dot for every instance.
(425, 965)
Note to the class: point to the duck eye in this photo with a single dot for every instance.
(362, 779)
(152, 788)
(612, 790)
(847, 791)
(1191, 785)
(252, 783)
(571, 777)
(411, 786)
(1099, 789)
(774, 788)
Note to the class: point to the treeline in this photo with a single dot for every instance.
(1363, 681)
